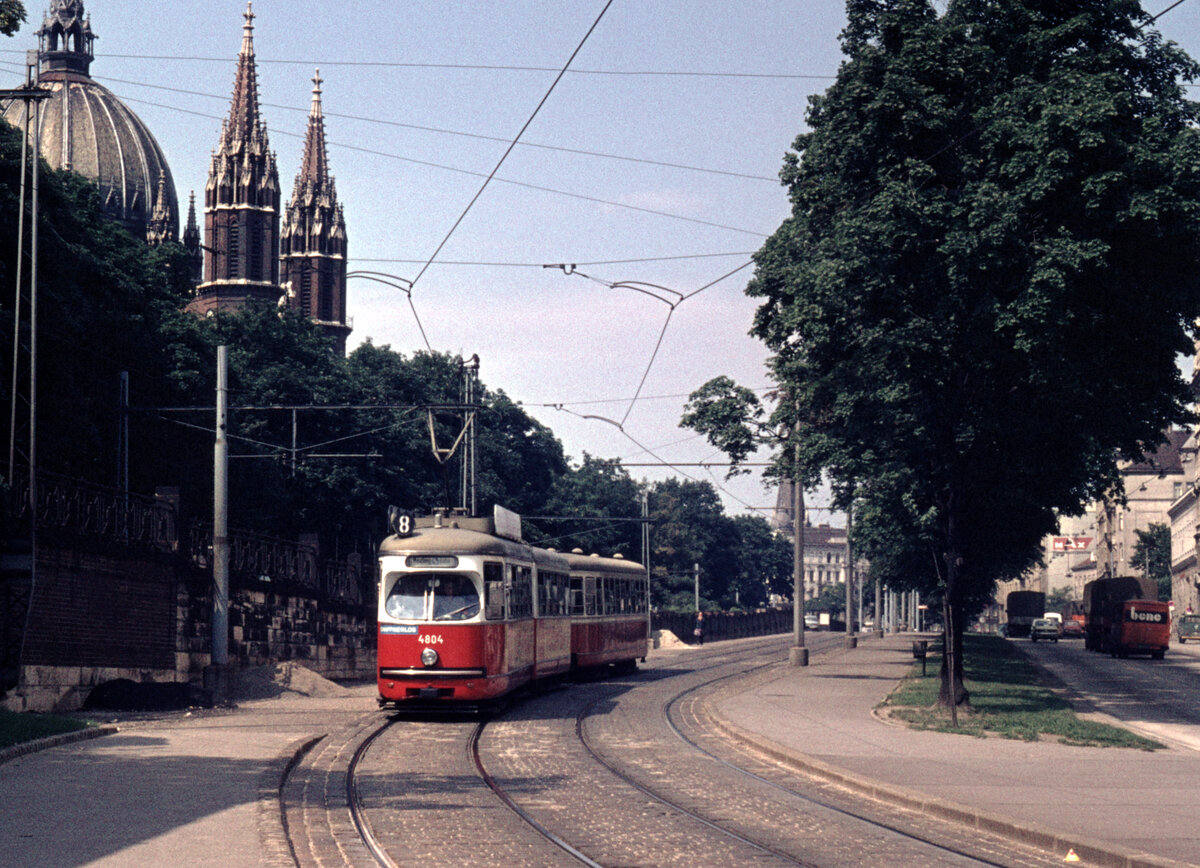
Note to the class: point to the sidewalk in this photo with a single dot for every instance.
(1112, 806)
(175, 788)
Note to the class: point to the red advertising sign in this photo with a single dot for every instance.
(1072, 543)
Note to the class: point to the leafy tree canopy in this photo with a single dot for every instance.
(1152, 555)
(594, 491)
(988, 273)
(12, 15)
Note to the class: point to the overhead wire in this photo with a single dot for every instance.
(480, 67)
(489, 178)
(515, 140)
(639, 260)
(333, 143)
(459, 133)
(581, 403)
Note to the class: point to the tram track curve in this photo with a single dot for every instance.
(358, 745)
(885, 839)
(673, 718)
(590, 812)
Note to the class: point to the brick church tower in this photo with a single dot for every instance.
(313, 237)
(241, 202)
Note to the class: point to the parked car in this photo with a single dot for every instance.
(812, 622)
(1187, 627)
(1043, 628)
(1073, 630)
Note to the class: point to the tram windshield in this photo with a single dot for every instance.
(432, 597)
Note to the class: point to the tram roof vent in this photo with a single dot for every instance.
(576, 551)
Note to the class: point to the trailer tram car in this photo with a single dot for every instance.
(468, 613)
(608, 611)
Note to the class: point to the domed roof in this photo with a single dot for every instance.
(86, 129)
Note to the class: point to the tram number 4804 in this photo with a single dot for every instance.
(432, 639)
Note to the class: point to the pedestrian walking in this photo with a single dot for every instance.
(698, 631)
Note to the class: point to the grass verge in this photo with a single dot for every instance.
(1008, 699)
(20, 727)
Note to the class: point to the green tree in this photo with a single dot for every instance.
(763, 562)
(520, 459)
(689, 528)
(107, 304)
(593, 491)
(831, 599)
(1059, 600)
(12, 15)
(978, 196)
(1152, 555)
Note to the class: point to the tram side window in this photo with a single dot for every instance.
(493, 586)
(589, 595)
(563, 588)
(546, 604)
(520, 604)
(575, 603)
(551, 593)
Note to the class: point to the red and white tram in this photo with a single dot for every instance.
(469, 613)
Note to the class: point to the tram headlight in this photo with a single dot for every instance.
(429, 658)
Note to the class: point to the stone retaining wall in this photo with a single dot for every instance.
(101, 613)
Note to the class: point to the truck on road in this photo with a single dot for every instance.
(1144, 627)
(1022, 607)
(1125, 617)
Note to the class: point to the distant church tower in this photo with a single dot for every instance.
(241, 202)
(313, 237)
(191, 242)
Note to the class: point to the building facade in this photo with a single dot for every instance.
(1152, 485)
(1184, 515)
(826, 554)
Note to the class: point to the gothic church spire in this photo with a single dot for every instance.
(313, 235)
(241, 201)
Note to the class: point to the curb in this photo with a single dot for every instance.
(1092, 852)
(27, 747)
(273, 830)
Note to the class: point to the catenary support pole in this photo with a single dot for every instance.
(851, 638)
(220, 615)
(798, 654)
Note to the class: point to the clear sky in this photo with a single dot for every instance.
(653, 159)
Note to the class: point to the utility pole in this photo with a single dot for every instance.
(696, 572)
(851, 639)
(646, 565)
(470, 396)
(31, 95)
(878, 608)
(798, 654)
(219, 680)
